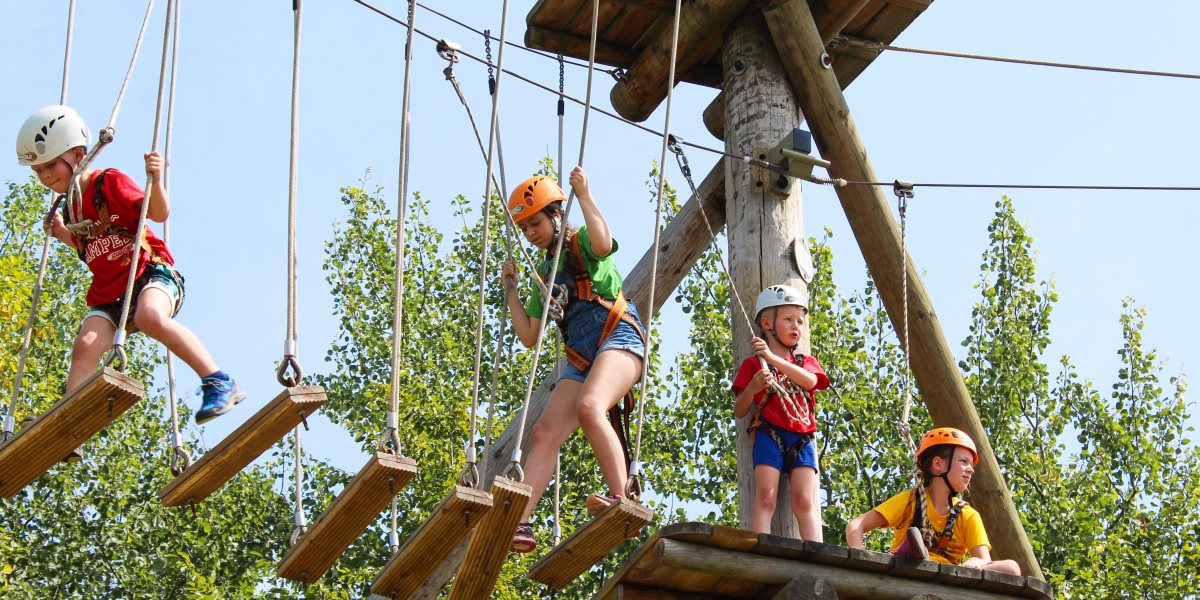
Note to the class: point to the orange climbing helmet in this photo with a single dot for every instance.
(948, 436)
(533, 195)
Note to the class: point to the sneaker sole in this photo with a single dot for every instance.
(523, 546)
(234, 399)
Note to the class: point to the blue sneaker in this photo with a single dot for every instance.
(220, 396)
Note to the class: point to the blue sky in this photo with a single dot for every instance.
(921, 118)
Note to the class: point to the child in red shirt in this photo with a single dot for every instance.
(53, 142)
(785, 418)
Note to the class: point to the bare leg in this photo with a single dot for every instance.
(556, 424)
(611, 376)
(766, 488)
(94, 339)
(153, 317)
(804, 503)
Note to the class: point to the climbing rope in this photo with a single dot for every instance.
(301, 526)
(676, 147)
(391, 432)
(181, 458)
(290, 360)
(878, 47)
(904, 193)
(23, 355)
(117, 357)
(514, 467)
(632, 488)
(470, 473)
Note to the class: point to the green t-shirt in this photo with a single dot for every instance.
(606, 281)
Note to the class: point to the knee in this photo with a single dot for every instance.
(802, 502)
(543, 435)
(151, 322)
(764, 499)
(591, 410)
(1005, 566)
(87, 343)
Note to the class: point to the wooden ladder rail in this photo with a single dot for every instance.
(490, 541)
(70, 422)
(245, 444)
(344, 520)
(590, 543)
(412, 564)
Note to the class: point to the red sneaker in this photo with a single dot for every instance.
(523, 540)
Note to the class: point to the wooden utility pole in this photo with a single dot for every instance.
(869, 213)
(763, 223)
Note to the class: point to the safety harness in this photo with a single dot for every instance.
(792, 409)
(83, 230)
(938, 541)
(618, 311)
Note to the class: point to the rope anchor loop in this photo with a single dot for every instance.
(281, 373)
(117, 358)
(469, 476)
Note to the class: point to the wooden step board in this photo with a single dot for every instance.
(490, 541)
(590, 543)
(245, 444)
(424, 551)
(69, 423)
(367, 495)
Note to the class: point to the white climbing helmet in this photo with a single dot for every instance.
(780, 295)
(49, 132)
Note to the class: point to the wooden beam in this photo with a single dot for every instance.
(72, 421)
(490, 541)
(662, 6)
(347, 517)
(870, 217)
(700, 29)
(849, 583)
(569, 44)
(625, 591)
(591, 543)
(446, 527)
(806, 587)
(245, 444)
(681, 244)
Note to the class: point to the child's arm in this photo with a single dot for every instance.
(597, 227)
(980, 556)
(524, 325)
(793, 371)
(745, 398)
(160, 206)
(858, 527)
(53, 225)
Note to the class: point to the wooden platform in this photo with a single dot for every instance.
(245, 444)
(359, 503)
(590, 543)
(490, 541)
(698, 560)
(72, 421)
(627, 29)
(429, 545)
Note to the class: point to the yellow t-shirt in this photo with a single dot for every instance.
(968, 529)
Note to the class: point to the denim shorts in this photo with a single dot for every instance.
(767, 452)
(155, 275)
(585, 322)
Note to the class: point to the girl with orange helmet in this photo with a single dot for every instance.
(928, 521)
(602, 334)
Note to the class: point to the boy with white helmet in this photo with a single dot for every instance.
(53, 142)
(785, 417)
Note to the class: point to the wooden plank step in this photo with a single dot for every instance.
(69, 423)
(245, 444)
(367, 495)
(590, 543)
(412, 564)
(490, 541)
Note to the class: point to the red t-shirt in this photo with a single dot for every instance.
(108, 255)
(798, 411)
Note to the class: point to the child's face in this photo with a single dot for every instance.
(538, 229)
(55, 174)
(787, 323)
(961, 469)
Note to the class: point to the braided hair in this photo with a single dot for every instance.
(920, 518)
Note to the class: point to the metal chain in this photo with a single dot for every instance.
(117, 357)
(23, 355)
(632, 487)
(514, 466)
(290, 350)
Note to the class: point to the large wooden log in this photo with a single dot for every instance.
(763, 224)
(849, 583)
(645, 84)
(569, 44)
(681, 244)
(868, 211)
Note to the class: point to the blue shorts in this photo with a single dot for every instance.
(767, 452)
(155, 275)
(585, 327)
